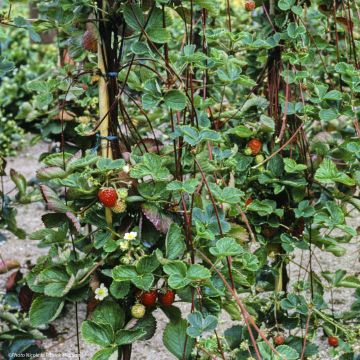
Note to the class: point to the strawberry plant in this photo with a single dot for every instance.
(17, 334)
(224, 152)
(24, 61)
(9, 202)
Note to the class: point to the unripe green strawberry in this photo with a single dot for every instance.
(124, 245)
(119, 207)
(122, 193)
(127, 260)
(259, 159)
(138, 311)
(247, 151)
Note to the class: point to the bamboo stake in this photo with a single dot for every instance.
(103, 104)
(104, 114)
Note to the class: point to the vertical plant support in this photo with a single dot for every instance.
(103, 102)
(273, 91)
(104, 115)
(108, 111)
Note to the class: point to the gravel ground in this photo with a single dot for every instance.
(29, 218)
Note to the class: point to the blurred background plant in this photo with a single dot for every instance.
(26, 60)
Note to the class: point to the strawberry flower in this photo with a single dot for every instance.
(130, 236)
(101, 292)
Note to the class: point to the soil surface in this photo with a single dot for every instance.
(65, 345)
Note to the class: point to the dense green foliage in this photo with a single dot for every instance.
(17, 334)
(26, 61)
(232, 143)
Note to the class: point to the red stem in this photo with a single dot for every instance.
(305, 336)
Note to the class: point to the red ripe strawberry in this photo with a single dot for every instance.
(166, 298)
(255, 146)
(333, 341)
(279, 340)
(89, 41)
(107, 197)
(250, 5)
(148, 298)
